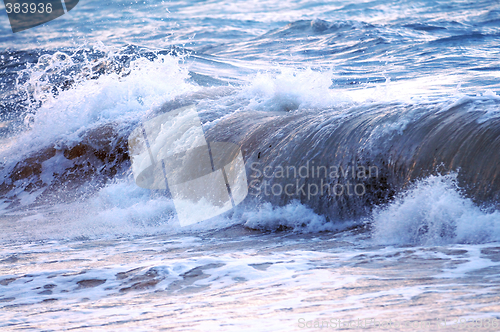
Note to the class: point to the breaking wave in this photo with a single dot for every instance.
(70, 153)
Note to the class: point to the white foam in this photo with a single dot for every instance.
(475, 262)
(294, 215)
(292, 89)
(435, 212)
(111, 98)
(287, 88)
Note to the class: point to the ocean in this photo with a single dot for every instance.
(356, 143)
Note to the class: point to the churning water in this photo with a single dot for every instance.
(370, 132)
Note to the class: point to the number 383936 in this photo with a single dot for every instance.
(28, 8)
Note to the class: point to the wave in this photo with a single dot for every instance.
(400, 143)
(296, 133)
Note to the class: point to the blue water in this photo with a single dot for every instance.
(412, 87)
(365, 41)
